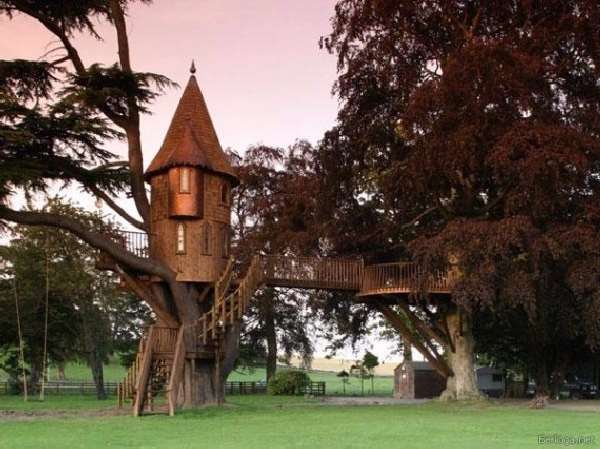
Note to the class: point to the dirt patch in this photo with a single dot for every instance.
(29, 415)
(583, 405)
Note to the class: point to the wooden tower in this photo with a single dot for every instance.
(191, 181)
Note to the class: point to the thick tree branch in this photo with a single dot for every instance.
(98, 241)
(118, 209)
(143, 292)
(419, 217)
(136, 157)
(422, 327)
(438, 363)
(131, 123)
(55, 29)
(118, 16)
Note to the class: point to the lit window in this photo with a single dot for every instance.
(180, 238)
(184, 180)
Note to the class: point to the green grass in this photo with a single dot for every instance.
(263, 422)
(55, 402)
(78, 372)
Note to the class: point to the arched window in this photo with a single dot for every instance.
(180, 238)
(184, 180)
(206, 238)
(224, 193)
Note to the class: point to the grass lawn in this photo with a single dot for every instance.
(263, 422)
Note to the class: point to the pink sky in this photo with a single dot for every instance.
(258, 63)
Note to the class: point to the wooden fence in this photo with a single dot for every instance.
(68, 387)
(231, 388)
(315, 389)
(245, 387)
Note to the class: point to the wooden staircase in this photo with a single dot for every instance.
(159, 363)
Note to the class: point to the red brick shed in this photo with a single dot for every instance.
(416, 380)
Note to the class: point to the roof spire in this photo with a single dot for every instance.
(191, 139)
(193, 68)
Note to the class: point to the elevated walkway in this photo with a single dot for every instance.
(353, 275)
(159, 364)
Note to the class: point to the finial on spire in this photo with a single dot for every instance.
(193, 68)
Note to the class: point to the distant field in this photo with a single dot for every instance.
(114, 372)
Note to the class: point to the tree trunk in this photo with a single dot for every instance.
(406, 351)
(61, 371)
(201, 384)
(204, 379)
(270, 333)
(97, 368)
(462, 384)
(34, 377)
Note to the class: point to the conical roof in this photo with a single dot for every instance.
(191, 139)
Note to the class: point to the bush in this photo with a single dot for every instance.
(289, 382)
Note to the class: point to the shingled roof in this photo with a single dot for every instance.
(191, 139)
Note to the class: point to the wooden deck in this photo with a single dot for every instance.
(321, 273)
(312, 273)
(160, 359)
(403, 277)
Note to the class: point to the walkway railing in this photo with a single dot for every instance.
(329, 273)
(312, 272)
(402, 277)
(135, 242)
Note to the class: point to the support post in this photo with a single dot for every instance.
(143, 375)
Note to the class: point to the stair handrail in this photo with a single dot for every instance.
(143, 375)
(176, 371)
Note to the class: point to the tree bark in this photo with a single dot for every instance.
(406, 351)
(438, 363)
(34, 377)
(270, 332)
(204, 379)
(462, 384)
(97, 368)
(559, 373)
(61, 371)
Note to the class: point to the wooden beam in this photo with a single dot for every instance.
(397, 323)
(176, 371)
(143, 375)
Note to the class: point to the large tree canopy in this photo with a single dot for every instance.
(469, 130)
(57, 114)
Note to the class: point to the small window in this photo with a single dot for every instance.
(496, 377)
(184, 180)
(206, 239)
(180, 238)
(225, 241)
(224, 193)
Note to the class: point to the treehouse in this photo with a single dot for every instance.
(191, 181)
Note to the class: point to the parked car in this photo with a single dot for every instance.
(571, 388)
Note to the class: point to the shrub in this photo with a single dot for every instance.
(289, 382)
